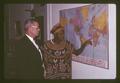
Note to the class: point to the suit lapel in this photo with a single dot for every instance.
(29, 43)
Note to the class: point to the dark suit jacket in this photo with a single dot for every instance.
(28, 60)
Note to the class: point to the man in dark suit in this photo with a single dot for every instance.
(29, 62)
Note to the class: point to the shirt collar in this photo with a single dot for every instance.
(29, 37)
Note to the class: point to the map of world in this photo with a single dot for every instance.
(88, 22)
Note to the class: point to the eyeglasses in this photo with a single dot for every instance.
(36, 27)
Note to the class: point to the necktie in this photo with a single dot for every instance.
(39, 52)
(37, 46)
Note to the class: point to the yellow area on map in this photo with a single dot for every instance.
(101, 21)
(63, 21)
(85, 12)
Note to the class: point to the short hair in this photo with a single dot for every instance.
(28, 23)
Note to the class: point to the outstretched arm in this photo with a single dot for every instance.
(80, 50)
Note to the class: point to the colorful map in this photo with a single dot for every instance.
(88, 22)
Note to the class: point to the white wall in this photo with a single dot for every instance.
(83, 71)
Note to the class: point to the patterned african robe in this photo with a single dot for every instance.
(57, 61)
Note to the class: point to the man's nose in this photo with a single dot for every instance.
(38, 29)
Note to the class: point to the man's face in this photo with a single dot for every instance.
(35, 29)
